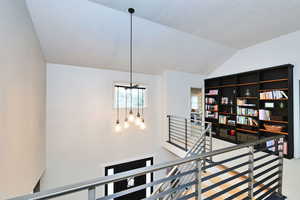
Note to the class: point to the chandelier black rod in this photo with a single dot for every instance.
(130, 47)
(138, 103)
(118, 106)
(125, 104)
(143, 102)
(129, 87)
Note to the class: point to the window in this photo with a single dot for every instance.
(195, 104)
(136, 94)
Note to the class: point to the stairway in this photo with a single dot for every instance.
(228, 182)
(192, 137)
(226, 185)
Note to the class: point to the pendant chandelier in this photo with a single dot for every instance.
(130, 91)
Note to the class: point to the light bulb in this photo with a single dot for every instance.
(131, 117)
(143, 125)
(118, 127)
(126, 124)
(138, 119)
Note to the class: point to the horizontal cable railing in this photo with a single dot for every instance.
(184, 132)
(257, 171)
(197, 140)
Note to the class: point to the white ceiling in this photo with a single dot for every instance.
(193, 36)
(80, 32)
(234, 23)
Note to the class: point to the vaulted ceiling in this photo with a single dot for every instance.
(234, 23)
(80, 32)
(193, 36)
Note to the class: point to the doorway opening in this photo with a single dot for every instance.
(196, 104)
(131, 182)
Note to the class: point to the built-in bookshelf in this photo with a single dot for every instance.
(252, 105)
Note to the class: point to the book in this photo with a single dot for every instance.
(285, 148)
(283, 93)
(209, 100)
(246, 121)
(264, 115)
(270, 145)
(247, 111)
(222, 119)
(225, 100)
(275, 94)
(212, 92)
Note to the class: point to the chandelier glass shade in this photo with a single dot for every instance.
(131, 117)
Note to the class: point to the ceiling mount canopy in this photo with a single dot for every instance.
(131, 10)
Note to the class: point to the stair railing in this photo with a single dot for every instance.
(184, 132)
(191, 135)
(255, 166)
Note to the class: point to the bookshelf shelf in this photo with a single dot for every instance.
(233, 85)
(276, 132)
(247, 125)
(247, 97)
(248, 116)
(230, 85)
(257, 90)
(274, 99)
(246, 130)
(225, 113)
(211, 95)
(226, 125)
(275, 80)
(275, 121)
(270, 90)
(246, 84)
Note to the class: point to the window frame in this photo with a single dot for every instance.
(122, 105)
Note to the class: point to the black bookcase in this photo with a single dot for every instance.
(252, 105)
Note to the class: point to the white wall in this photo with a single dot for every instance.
(22, 101)
(282, 50)
(177, 94)
(81, 140)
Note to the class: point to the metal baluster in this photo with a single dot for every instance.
(92, 193)
(280, 168)
(251, 172)
(210, 141)
(186, 142)
(204, 151)
(169, 121)
(198, 186)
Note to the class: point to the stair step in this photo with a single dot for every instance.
(275, 196)
(226, 185)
